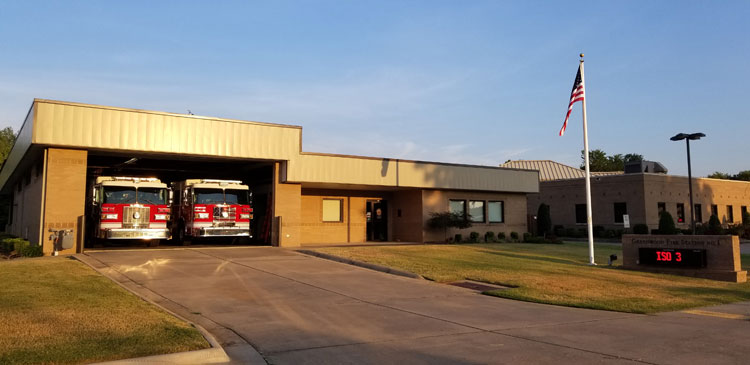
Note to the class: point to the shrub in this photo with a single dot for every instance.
(8, 245)
(23, 248)
(514, 236)
(558, 230)
(32, 251)
(610, 233)
(714, 225)
(640, 228)
(445, 220)
(543, 220)
(736, 229)
(570, 232)
(474, 237)
(501, 236)
(581, 232)
(489, 237)
(599, 231)
(528, 238)
(458, 238)
(666, 223)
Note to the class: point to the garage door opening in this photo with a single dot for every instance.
(146, 200)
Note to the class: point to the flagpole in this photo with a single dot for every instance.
(588, 172)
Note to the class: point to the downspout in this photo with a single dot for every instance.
(44, 198)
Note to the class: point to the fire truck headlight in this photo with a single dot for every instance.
(109, 216)
(201, 215)
(244, 216)
(161, 217)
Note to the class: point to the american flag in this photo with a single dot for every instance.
(575, 95)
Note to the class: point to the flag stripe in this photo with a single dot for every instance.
(576, 95)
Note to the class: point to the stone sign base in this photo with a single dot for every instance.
(710, 257)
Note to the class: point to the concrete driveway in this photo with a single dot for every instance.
(297, 309)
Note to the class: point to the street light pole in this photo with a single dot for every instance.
(690, 188)
(687, 138)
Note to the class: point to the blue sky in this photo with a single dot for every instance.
(457, 81)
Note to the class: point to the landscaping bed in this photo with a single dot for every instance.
(58, 310)
(554, 274)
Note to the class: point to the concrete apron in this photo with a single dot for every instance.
(241, 352)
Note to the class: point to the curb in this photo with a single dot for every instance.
(241, 351)
(365, 265)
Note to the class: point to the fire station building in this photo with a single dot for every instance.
(299, 198)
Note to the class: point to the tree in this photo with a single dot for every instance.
(445, 220)
(666, 223)
(599, 161)
(7, 138)
(741, 176)
(720, 175)
(543, 220)
(714, 225)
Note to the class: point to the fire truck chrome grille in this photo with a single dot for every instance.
(224, 216)
(130, 213)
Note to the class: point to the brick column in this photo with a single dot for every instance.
(65, 195)
(287, 206)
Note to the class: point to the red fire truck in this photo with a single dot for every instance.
(211, 208)
(130, 208)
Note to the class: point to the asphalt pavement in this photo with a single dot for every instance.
(297, 309)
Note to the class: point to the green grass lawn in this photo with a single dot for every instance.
(58, 310)
(554, 274)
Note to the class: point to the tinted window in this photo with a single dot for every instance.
(581, 213)
(620, 210)
(209, 196)
(119, 195)
(234, 196)
(152, 196)
(476, 209)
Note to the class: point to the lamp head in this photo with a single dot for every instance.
(695, 136)
(679, 137)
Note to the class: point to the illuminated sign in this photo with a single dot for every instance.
(672, 257)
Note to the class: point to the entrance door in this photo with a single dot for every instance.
(377, 220)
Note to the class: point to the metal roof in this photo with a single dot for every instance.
(551, 170)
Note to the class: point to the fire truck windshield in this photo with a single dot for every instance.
(154, 196)
(209, 196)
(119, 195)
(234, 196)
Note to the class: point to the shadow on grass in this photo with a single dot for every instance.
(740, 293)
(533, 257)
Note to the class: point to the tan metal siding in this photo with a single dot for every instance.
(440, 176)
(342, 170)
(397, 173)
(80, 126)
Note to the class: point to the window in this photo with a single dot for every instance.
(458, 206)
(680, 213)
(495, 212)
(581, 213)
(715, 210)
(661, 207)
(698, 213)
(332, 210)
(620, 210)
(476, 209)
(730, 214)
(743, 209)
